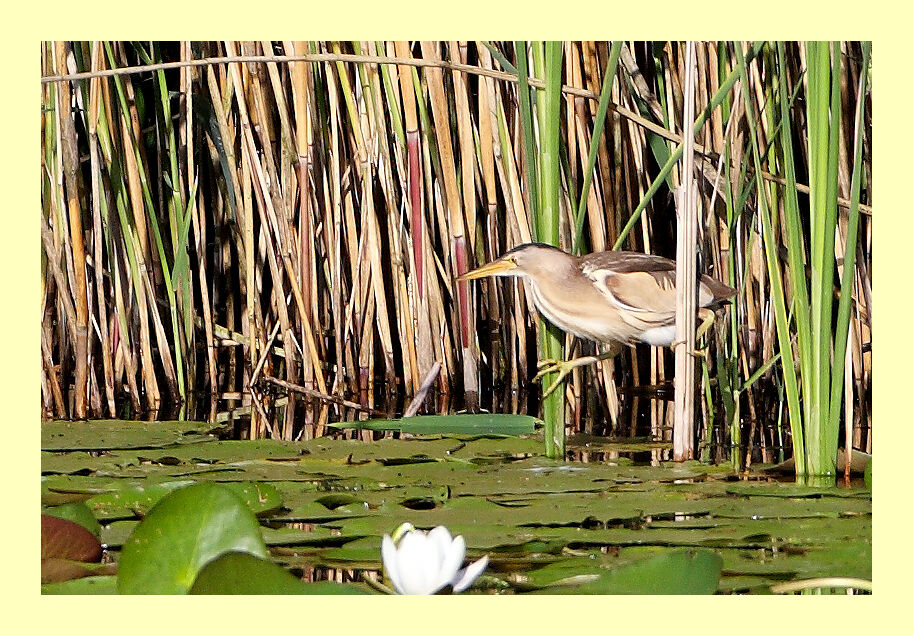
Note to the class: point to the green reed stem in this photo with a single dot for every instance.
(529, 138)
(549, 216)
(849, 253)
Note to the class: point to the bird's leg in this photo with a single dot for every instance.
(707, 316)
(563, 367)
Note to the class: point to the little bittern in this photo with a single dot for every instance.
(624, 297)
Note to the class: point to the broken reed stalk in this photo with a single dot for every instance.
(342, 187)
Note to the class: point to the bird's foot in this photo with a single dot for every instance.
(697, 353)
(550, 365)
(547, 364)
(562, 368)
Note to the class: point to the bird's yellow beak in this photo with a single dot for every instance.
(493, 268)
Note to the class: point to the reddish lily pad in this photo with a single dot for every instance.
(64, 539)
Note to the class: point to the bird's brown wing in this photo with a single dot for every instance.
(640, 283)
(645, 283)
(643, 300)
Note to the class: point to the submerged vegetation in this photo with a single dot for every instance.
(269, 233)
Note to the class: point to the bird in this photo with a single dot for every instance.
(608, 297)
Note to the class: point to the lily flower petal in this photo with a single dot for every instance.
(451, 556)
(465, 578)
(391, 562)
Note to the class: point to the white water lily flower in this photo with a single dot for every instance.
(426, 562)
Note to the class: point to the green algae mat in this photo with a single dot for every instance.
(319, 508)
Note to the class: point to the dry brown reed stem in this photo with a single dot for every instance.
(450, 218)
(303, 142)
(65, 300)
(54, 404)
(414, 177)
(98, 236)
(422, 392)
(70, 155)
(462, 244)
(273, 215)
(280, 214)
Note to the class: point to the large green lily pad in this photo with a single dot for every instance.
(183, 532)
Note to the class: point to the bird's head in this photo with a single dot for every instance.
(529, 259)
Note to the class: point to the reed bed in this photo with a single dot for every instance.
(270, 232)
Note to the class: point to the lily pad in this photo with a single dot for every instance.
(77, 512)
(183, 532)
(84, 462)
(86, 585)
(789, 508)
(64, 539)
(318, 537)
(118, 434)
(499, 447)
(678, 572)
(387, 450)
(584, 442)
(363, 553)
(61, 570)
(116, 533)
(140, 497)
(66, 549)
(850, 559)
(791, 490)
(243, 573)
